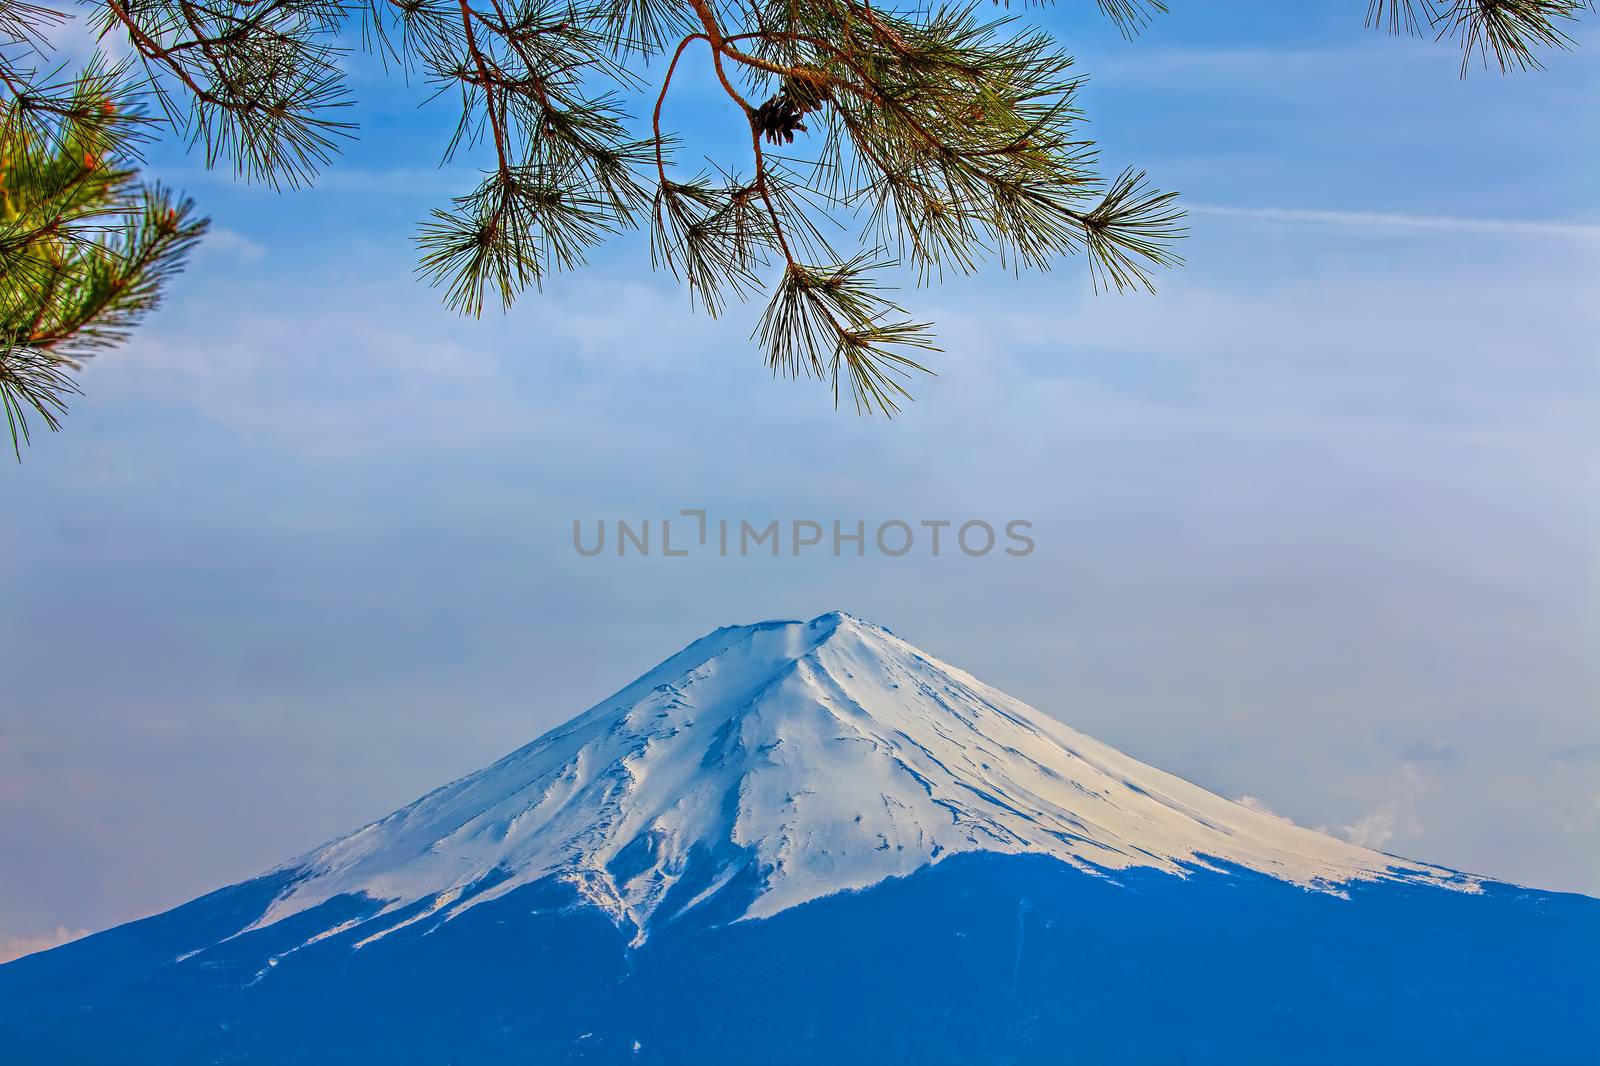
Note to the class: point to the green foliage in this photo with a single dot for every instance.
(1507, 32)
(921, 133)
(934, 137)
(84, 246)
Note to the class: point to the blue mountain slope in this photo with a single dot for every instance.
(809, 842)
(981, 959)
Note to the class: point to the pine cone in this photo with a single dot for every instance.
(777, 120)
(803, 92)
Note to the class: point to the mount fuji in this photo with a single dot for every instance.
(810, 842)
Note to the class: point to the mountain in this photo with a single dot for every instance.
(810, 842)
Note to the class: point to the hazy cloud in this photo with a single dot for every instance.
(1398, 817)
(14, 947)
(1261, 808)
(225, 245)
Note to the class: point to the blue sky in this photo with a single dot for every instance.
(1317, 524)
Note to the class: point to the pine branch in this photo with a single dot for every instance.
(1131, 16)
(32, 382)
(713, 238)
(1508, 32)
(827, 321)
(934, 135)
(262, 79)
(85, 249)
(1130, 232)
(120, 281)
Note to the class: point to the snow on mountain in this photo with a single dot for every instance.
(980, 884)
(822, 756)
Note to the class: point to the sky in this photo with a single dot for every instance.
(1317, 525)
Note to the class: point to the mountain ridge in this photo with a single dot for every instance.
(807, 843)
(828, 754)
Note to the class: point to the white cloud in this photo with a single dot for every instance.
(17, 946)
(1373, 831)
(227, 244)
(1398, 817)
(1261, 808)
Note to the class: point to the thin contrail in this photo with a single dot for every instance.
(1385, 220)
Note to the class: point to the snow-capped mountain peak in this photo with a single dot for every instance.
(805, 759)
